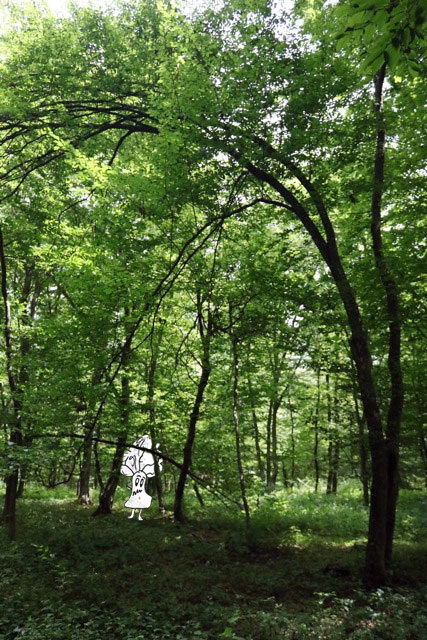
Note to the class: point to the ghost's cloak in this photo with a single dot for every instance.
(139, 498)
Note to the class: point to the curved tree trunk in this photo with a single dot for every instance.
(375, 569)
(106, 496)
(383, 448)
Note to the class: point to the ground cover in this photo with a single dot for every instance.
(296, 575)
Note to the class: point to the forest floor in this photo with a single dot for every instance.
(69, 576)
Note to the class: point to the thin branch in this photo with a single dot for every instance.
(118, 145)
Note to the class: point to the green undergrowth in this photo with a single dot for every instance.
(295, 575)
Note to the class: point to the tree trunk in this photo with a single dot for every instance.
(152, 417)
(292, 439)
(285, 475)
(334, 441)
(169, 480)
(9, 507)
(375, 571)
(395, 407)
(276, 362)
(418, 383)
(83, 496)
(23, 472)
(381, 511)
(330, 436)
(335, 465)
(274, 458)
(157, 477)
(384, 450)
(363, 453)
(16, 385)
(316, 436)
(364, 474)
(98, 479)
(205, 336)
(106, 496)
(423, 453)
(260, 463)
(29, 306)
(236, 423)
(51, 479)
(268, 456)
(89, 424)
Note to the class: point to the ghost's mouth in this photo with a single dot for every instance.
(135, 491)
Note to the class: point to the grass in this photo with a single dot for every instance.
(298, 575)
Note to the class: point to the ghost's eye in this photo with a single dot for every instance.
(136, 481)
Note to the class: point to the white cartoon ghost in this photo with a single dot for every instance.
(139, 465)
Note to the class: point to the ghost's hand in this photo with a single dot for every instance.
(159, 460)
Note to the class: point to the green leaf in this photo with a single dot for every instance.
(344, 42)
(341, 11)
(372, 59)
(414, 68)
(358, 18)
(369, 32)
(391, 56)
(380, 18)
(343, 34)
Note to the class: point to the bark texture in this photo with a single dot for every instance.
(395, 408)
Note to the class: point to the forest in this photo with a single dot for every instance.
(212, 270)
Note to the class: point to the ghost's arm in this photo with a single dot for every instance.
(128, 467)
(148, 469)
(147, 460)
(159, 460)
(124, 470)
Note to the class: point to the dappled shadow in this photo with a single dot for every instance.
(204, 570)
